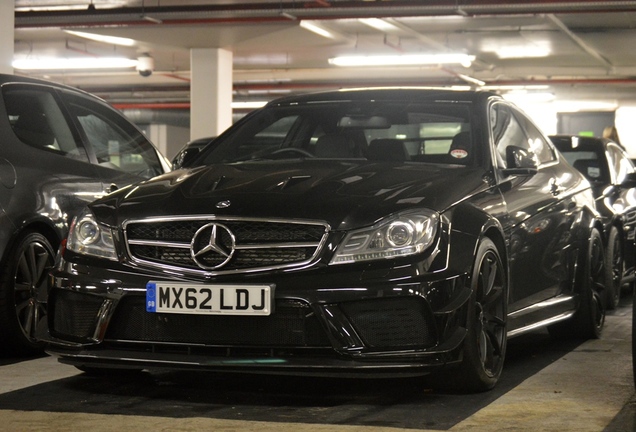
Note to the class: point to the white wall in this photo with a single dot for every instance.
(545, 116)
(625, 123)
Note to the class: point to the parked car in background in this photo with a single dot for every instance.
(612, 175)
(189, 152)
(370, 232)
(60, 149)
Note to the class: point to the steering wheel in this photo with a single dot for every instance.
(292, 150)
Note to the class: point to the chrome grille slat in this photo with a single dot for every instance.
(259, 244)
(159, 243)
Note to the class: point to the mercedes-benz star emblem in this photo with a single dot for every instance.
(223, 204)
(212, 246)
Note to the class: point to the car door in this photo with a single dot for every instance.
(621, 196)
(120, 153)
(536, 220)
(46, 170)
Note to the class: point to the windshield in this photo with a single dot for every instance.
(438, 132)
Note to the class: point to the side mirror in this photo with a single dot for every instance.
(185, 158)
(629, 181)
(520, 161)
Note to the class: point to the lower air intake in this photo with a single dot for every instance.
(392, 323)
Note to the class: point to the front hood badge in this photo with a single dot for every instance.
(223, 204)
(212, 246)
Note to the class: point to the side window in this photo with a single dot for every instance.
(506, 132)
(619, 163)
(536, 141)
(116, 143)
(37, 120)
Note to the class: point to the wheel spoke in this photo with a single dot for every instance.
(22, 306)
(42, 266)
(34, 259)
(23, 270)
(491, 323)
(26, 313)
(21, 287)
(488, 274)
(492, 297)
(494, 320)
(494, 342)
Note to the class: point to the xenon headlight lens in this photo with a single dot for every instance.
(88, 237)
(403, 234)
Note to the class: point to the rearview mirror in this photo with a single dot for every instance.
(363, 122)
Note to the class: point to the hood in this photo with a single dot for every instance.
(344, 194)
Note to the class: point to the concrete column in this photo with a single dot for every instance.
(7, 24)
(210, 92)
(168, 139)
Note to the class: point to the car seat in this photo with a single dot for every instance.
(387, 150)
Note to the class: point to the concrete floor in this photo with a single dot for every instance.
(545, 387)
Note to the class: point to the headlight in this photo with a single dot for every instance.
(406, 233)
(89, 237)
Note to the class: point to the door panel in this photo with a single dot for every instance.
(535, 223)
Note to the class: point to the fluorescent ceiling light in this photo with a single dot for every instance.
(518, 50)
(268, 91)
(523, 52)
(102, 38)
(514, 87)
(379, 24)
(248, 105)
(521, 97)
(319, 30)
(471, 80)
(403, 60)
(50, 63)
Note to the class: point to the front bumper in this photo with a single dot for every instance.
(366, 320)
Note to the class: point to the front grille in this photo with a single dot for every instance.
(244, 244)
(74, 314)
(291, 324)
(392, 323)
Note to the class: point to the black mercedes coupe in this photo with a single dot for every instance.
(373, 232)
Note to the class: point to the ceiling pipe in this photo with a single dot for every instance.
(580, 42)
(280, 12)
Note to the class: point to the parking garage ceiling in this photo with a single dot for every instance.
(576, 50)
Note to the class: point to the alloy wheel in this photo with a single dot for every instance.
(489, 313)
(597, 282)
(33, 260)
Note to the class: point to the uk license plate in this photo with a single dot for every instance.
(209, 299)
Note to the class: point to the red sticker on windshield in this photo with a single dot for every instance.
(459, 153)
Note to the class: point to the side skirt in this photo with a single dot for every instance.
(541, 314)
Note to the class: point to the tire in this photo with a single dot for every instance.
(485, 344)
(24, 292)
(589, 319)
(614, 268)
